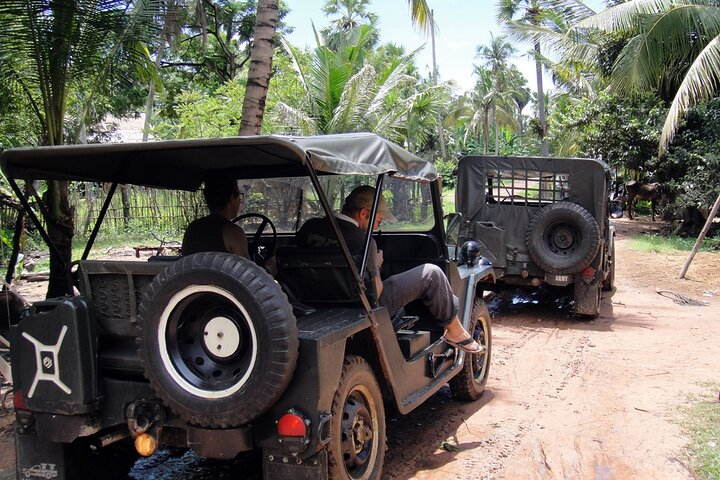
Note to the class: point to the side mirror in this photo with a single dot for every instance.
(452, 232)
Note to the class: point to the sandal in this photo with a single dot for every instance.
(466, 345)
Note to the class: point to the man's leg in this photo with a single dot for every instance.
(427, 283)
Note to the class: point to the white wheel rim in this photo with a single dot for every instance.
(162, 341)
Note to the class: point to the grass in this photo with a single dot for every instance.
(102, 244)
(700, 420)
(671, 244)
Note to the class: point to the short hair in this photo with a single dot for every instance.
(218, 191)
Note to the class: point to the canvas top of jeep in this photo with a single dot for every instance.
(539, 221)
(210, 352)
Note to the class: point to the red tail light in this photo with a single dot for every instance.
(19, 400)
(293, 431)
(292, 425)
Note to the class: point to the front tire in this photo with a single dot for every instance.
(469, 384)
(357, 429)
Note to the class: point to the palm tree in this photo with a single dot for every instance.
(346, 96)
(675, 50)
(496, 57)
(261, 55)
(55, 50)
(262, 52)
(537, 21)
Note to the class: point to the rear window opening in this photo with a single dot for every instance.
(526, 187)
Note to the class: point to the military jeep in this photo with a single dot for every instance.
(540, 221)
(212, 353)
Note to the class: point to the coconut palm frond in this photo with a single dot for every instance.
(701, 82)
(625, 15)
(632, 70)
(296, 118)
(395, 78)
(349, 113)
(420, 16)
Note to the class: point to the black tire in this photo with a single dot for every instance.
(469, 384)
(357, 429)
(588, 299)
(609, 283)
(563, 238)
(217, 338)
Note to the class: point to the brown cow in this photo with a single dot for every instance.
(643, 191)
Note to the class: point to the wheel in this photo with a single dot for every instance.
(563, 238)
(357, 429)
(259, 252)
(217, 339)
(469, 384)
(609, 283)
(588, 299)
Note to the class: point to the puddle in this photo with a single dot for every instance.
(541, 300)
(170, 464)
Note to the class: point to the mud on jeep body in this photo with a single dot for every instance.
(540, 221)
(210, 352)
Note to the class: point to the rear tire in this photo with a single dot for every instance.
(563, 238)
(469, 384)
(588, 299)
(609, 282)
(217, 338)
(357, 430)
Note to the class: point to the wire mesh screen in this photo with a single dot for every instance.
(526, 187)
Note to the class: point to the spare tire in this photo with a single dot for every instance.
(563, 238)
(217, 338)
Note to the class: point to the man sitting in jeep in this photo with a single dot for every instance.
(216, 232)
(425, 282)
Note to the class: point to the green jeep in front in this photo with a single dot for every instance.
(212, 353)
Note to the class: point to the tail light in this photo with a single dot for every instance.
(588, 275)
(293, 431)
(19, 400)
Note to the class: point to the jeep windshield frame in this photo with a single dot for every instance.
(183, 164)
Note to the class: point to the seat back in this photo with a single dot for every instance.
(116, 288)
(317, 275)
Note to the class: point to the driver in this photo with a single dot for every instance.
(216, 232)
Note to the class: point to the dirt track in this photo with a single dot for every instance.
(570, 399)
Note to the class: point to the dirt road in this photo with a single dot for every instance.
(572, 399)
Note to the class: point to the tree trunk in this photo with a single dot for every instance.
(60, 229)
(260, 66)
(125, 195)
(700, 238)
(541, 103)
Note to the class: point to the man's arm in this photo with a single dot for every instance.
(235, 240)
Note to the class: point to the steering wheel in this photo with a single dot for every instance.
(258, 251)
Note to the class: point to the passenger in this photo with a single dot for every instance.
(425, 282)
(216, 232)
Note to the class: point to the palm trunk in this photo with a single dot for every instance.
(260, 65)
(541, 103)
(60, 229)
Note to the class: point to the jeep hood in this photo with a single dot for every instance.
(182, 164)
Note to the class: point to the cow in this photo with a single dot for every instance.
(643, 191)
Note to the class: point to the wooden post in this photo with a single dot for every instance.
(701, 237)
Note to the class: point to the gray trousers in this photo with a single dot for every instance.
(425, 282)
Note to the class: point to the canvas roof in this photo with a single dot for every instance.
(183, 163)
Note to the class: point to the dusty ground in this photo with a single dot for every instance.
(570, 399)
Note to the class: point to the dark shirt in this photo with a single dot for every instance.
(318, 232)
(205, 235)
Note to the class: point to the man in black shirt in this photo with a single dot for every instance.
(216, 232)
